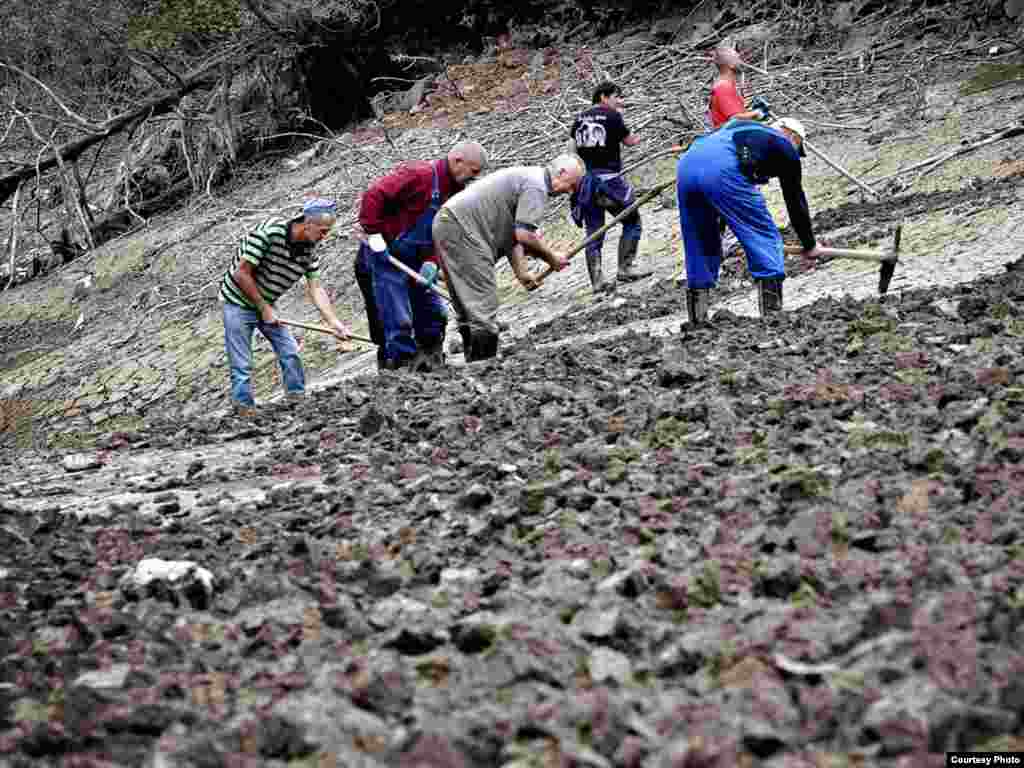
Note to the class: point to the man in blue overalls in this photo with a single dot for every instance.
(719, 175)
(406, 319)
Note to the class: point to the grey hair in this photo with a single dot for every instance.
(326, 219)
(471, 151)
(566, 162)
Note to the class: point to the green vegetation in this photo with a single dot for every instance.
(992, 75)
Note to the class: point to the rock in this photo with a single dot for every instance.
(372, 421)
(114, 677)
(598, 623)
(185, 578)
(82, 288)
(79, 462)
(676, 371)
(916, 714)
(605, 664)
(459, 579)
(395, 609)
(476, 496)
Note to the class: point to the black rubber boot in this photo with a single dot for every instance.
(482, 347)
(428, 359)
(769, 296)
(698, 301)
(627, 255)
(597, 282)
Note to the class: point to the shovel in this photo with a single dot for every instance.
(322, 329)
(887, 259)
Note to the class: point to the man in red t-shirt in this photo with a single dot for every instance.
(407, 320)
(726, 101)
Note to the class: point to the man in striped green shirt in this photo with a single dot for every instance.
(270, 260)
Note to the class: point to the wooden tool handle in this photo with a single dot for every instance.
(321, 329)
(419, 278)
(650, 195)
(846, 253)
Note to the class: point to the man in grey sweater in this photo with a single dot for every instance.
(494, 217)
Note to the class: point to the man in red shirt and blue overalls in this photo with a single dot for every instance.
(407, 320)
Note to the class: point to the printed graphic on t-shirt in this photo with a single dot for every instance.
(591, 134)
(598, 133)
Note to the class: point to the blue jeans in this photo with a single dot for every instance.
(709, 183)
(239, 324)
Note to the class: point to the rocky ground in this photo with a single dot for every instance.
(784, 543)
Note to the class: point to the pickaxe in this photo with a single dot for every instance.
(887, 259)
(646, 197)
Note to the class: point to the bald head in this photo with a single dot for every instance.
(566, 171)
(726, 57)
(465, 161)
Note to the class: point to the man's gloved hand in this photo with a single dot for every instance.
(761, 107)
(429, 273)
(378, 245)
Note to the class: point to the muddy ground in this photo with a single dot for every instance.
(793, 542)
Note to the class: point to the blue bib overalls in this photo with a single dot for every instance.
(409, 315)
(709, 180)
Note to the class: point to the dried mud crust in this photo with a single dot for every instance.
(770, 541)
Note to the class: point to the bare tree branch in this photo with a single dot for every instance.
(155, 106)
(81, 121)
(14, 235)
(49, 144)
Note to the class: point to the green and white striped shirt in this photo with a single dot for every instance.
(278, 260)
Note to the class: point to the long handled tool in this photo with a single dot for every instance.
(761, 104)
(378, 245)
(673, 150)
(887, 259)
(838, 168)
(645, 198)
(322, 329)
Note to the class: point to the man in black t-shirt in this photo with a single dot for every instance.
(598, 135)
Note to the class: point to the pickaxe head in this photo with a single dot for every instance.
(889, 263)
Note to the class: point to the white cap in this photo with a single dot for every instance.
(377, 243)
(794, 125)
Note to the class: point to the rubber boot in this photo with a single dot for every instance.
(597, 282)
(482, 347)
(698, 301)
(769, 296)
(428, 359)
(627, 255)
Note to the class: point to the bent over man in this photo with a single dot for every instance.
(719, 175)
(270, 260)
(407, 320)
(497, 216)
(598, 135)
